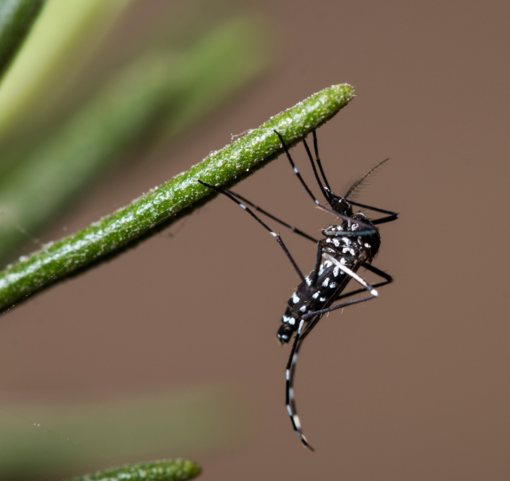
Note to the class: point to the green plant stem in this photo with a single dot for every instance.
(158, 86)
(16, 18)
(110, 234)
(166, 470)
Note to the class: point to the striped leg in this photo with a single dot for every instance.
(387, 280)
(274, 234)
(290, 371)
(306, 324)
(289, 387)
(352, 274)
(271, 216)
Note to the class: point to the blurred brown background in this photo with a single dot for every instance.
(413, 385)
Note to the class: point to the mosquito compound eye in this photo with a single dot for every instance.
(344, 207)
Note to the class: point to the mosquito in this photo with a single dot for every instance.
(350, 244)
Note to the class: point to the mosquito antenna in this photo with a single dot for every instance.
(360, 181)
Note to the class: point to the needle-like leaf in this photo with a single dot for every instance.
(145, 215)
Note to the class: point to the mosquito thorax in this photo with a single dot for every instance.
(338, 239)
(333, 230)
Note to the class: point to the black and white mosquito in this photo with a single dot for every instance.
(345, 248)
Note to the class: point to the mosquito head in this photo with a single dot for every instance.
(341, 205)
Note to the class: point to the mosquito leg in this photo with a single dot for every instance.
(387, 280)
(262, 211)
(319, 163)
(274, 234)
(313, 318)
(303, 183)
(352, 274)
(325, 193)
(289, 389)
(292, 400)
(383, 220)
(390, 217)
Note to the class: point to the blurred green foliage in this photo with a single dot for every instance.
(112, 433)
(164, 88)
(156, 87)
(63, 38)
(16, 18)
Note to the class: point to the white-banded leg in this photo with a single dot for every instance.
(310, 320)
(274, 234)
(294, 168)
(351, 274)
(290, 370)
(290, 400)
(276, 219)
(387, 280)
